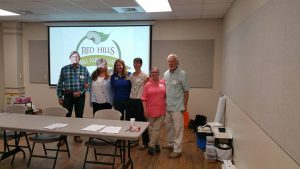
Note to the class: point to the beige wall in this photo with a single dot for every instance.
(202, 101)
(1, 70)
(253, 147)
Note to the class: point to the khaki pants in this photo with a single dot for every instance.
(174, 125)
(154, 129)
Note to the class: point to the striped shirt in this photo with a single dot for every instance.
(73, 79)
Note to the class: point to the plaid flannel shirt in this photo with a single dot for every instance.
(73, 79)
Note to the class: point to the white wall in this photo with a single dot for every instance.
(202, 101)
(253, 147)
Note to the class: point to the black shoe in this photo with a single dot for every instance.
(134, 143)
(151, 150)
(157, 148)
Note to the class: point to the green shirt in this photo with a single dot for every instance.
(176, 85)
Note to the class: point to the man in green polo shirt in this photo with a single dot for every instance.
(177, 90)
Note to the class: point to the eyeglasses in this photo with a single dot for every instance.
(74, 56)
(154, 72)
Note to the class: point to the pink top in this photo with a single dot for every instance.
(154, 95)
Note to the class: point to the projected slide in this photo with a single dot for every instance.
(92, 43)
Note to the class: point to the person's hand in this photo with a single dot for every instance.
(61, 101)
(76, 94)
(185, 109)
(86, 85)
(146, 114)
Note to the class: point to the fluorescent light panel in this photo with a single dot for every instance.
(7, 13)
(155, 5)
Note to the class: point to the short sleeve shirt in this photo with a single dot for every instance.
(154, 95)
(137, 85)
(176, 85)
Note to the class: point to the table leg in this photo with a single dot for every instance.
(129, 162)
(13, 152)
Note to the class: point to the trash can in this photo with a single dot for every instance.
(224, 151)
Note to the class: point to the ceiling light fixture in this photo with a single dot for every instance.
(155, 5)
(7, 13)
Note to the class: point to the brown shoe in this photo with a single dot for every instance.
(143, 147)
(168, 147)
(174, 155)
(78, 139)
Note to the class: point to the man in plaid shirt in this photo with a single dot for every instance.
(73, 82)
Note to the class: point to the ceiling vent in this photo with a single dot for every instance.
(133, 9)
(25, 12)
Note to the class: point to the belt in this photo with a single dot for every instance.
(68, 91)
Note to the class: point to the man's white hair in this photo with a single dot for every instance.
(173, 56)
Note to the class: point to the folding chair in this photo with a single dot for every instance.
(50, 138)
(97, 143)
(8, 135)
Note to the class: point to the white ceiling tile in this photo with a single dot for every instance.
(215, 6)
(74, 10)
(218, 1)
(186, 7)
(120, 3)
(215, 12)
(91, 5)
(185, 1)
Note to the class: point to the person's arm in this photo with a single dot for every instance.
(87, 82)
(186, 90)
(112, 81)
(186, 99)
(144, 98)
(59, 88)
(147, 79)
(145, 109)
(60, 85)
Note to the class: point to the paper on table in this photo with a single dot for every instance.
(56, 126)
(111, 129)
(93, 127)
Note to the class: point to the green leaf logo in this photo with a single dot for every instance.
(103, 36)
(96, 37)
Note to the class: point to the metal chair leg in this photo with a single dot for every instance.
(28, 144)
(31, 154)
(95, 153)
(85, 158)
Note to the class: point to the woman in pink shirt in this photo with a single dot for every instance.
(154, 103)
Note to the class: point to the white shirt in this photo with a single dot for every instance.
(137, 84)
(101, 91)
